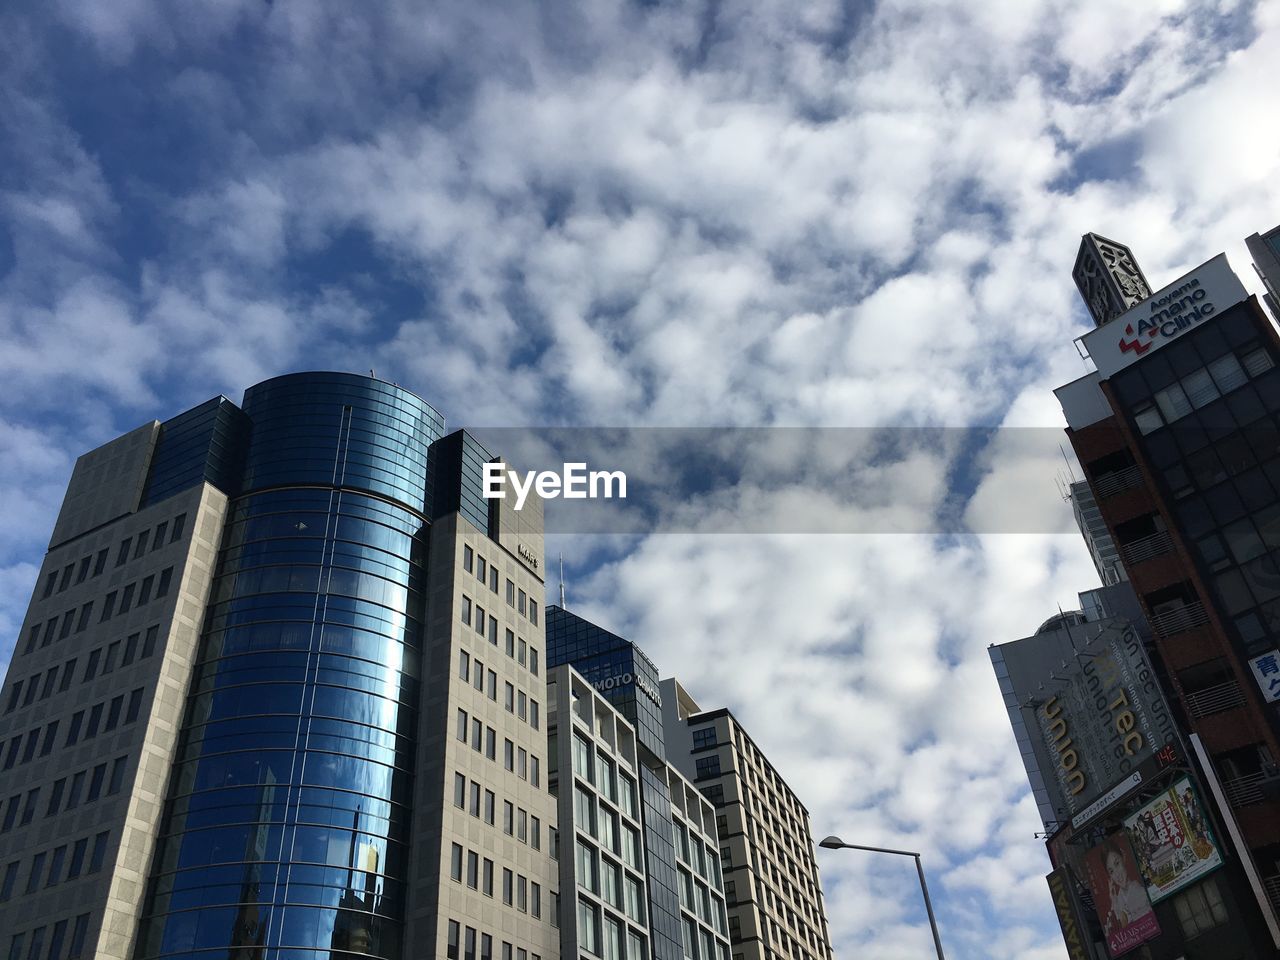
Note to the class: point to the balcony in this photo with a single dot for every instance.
(1156, 545)
(1109, 484)
(1272, 886)
(1215, 699)
(1245, 790)
(1179, 619)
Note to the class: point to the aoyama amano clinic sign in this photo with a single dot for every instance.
(1167, 314)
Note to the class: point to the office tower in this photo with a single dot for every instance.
(1177, 432)
(267, 645)
(594, 757)
(628, 679)
(1265, 251)
(766, 850)
(784, 872)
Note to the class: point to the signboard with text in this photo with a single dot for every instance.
(1266, 670)
(1188, 302)
(1119, 895)
(1172, 841)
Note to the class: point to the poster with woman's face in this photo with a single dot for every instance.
(1120, 895)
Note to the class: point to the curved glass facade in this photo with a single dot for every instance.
(286, 827)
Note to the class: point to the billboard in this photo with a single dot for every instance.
(1073, 933)
(1119, 895)
(1168, 313)
(1106, 715)
(1172, 840)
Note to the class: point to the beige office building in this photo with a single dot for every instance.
(771, 882)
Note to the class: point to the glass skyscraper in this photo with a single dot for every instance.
(299, 644)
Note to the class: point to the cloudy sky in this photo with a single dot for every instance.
(696, 214)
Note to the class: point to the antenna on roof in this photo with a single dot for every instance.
(562, 581)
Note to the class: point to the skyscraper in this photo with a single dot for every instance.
(282, 666)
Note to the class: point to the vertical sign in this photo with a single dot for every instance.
(1073, 933)
(1266, 670)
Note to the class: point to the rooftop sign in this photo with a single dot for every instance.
(1167, 314)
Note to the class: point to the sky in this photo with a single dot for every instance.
(666, 214)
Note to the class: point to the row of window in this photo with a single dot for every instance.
(133, 594)
(79, 928)
(482, 803)
(118, 713)
(100, 662)
(606, 879)
(603, 774)
(484, 739)
(607, 937)
(467, 866)
(96, 778)
(691, 849)
(1200, 388)
(603, 825)
(63, 866)
(487, 574)
(472, 670)
(81, 571)
(516, 646)
(469, 940)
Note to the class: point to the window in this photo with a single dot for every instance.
(77, 857)
(479, 619)
(493, 631)
(144, 589)
(451, 951)
(149, 641)
(533, 611)
(109, 662)
(77, 936)
(123, 555)
(55, 866)
(479, 676)
(99, 854)
(634, 900)
(126, 598)
(59, 936)
(130, 649)
(459, 790)
(464, 665)
(178, 523)
(466, 610)
(142, 544)
(508, 818)
(493, 579)
(511, 643)
(473, 869)
(706, 737)
(50, 732)
(100, 562)
(481, 572)
(462, 725)
(707, 767)
(520, 654)
(491, 743)
(50, 582)
(468, 557)
(118, 767)
(1200, 908)
(486, 878)
(493, 686)
(490, 802)
(10, 878)
(455, 863)
(533, 660)
(509, 755)
(511, 593)
(521, 603)
(135, 706)
(166, 577)
(83, 573)
(158, 540)
(475, 799)
(66, 577)
(37, 871)
(55, 797)
(522, 763)
(508, 885)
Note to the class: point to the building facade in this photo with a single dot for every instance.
(771, 884)
(1264, 248)
(1177, 433)
(281, 690)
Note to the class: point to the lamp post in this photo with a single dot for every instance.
(835, 843)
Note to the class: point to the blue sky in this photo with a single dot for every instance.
(667, 214)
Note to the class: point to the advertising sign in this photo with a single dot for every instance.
(1172, 841)
(1073, 933)
(1266, 670)
(1107, 715)
(1119, 895)
(1164, 316)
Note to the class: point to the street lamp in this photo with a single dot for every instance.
(835, 843)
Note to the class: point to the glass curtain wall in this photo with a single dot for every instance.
(286, 826)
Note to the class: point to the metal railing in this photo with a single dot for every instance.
(1215, 699)
(1186, 617)
(1245, 790)
(1109, 484)
(1272, 886)
(1158, 544)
